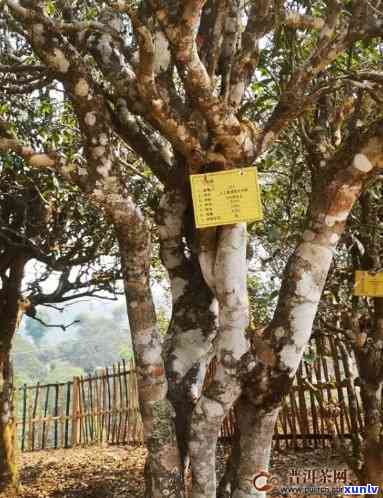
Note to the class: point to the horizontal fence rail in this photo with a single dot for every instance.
(322, 405)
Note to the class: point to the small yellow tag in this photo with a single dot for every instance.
(226, 197)
(368, 285)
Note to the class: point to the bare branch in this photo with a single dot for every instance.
(22, 68)
(51, 325)
(36, 160)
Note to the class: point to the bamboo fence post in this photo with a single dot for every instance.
(127, 399)
(338, 380)
(83, 413)
(120, 404)
(43, 438)
(109, 404)
(276, 435)
(314, 416)
(302, 404)
(30, 411)
(91, 408)
(62, 424)
(24, 416)
(67, 412)
(284, 423)
(352, 399)
(114, 402)
(293, 412)
(318, 373)
(75, 412)
(55, 414)
(34, 413)
(104, 412)
(98, 410)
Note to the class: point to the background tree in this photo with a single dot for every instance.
(44, 222)
(356, 321)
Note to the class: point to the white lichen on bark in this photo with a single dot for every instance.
(58, 61)
(231, 344)
(90, 118)
(41, 161)
(362, 163)
(81, 88)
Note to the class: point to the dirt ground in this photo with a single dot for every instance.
(117, 472)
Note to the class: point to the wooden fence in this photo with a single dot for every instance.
(323, 403)
(99, 409)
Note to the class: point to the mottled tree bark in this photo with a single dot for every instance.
(256, 435)
(193, 324)
(367, 341)
(268, 374)
(164, 474)
(229, 479)
(256, 431)
(101, 183)
(226, 272)
(370, 368)
(9, 315)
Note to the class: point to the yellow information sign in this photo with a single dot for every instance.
(367, 284)
(226, 197)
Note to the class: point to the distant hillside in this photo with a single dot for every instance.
(96, 341)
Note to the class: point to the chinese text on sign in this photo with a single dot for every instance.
(368, 284)
(226, 197)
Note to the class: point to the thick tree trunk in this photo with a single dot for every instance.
(8, 471)
(372, 470)
(268, 374)
(256, 431)
(164, 475)
(370, 368)
(229, 479)
(227, 275)
(9, 318)
(193, 324)
(256, 435)
(192, 329)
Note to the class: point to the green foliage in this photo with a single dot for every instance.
(309, 355)
(35, 330)
(60, 371)
(162, 321)
(98, 343)
(28, 367)
(100, 340)
(126, 353)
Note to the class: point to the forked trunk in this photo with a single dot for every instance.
(269, 369)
